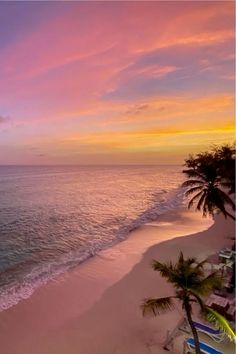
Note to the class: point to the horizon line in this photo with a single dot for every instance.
(78, 165)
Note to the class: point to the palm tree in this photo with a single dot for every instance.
(190, 283)
(211, 178)
(209, 197)
(225, 157)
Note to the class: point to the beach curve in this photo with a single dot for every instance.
(95, 307)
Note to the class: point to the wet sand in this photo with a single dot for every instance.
(95, 308)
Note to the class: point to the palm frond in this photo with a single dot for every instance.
(220, 322)
(226, 198)
(192, 173)
(229, 185)
(216, 200)
(201, 201)
(189, 261)
(194, 199)
(226, 184)
(201, 264)
(165, 269)
(181, 258)
(208, 206)
(193, 190)
(157, 306)
(192, 182)
(212, 282)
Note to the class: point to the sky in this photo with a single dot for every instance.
(115, 82)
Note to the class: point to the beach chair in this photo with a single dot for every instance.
(205, 348)
(226, 254)
(215, 334)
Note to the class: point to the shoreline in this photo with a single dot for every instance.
(59, 317)
(14, 294)
(117, 249)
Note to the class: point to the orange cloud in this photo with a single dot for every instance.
(57, 77)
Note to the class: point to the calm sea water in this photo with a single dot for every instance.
(53, 218)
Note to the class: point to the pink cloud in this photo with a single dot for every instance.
(60, 70)
(138, 28)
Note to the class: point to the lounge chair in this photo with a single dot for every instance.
(204, 348)
(226, 254)
(215, 334)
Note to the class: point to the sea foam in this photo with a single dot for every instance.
(53, 219)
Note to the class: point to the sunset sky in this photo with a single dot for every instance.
(114, 82)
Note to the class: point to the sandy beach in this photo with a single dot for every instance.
(94, 308)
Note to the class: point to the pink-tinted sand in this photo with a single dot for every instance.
(95, 307)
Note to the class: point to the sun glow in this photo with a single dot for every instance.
(113, 82)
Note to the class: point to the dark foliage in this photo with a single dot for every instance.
(211, 178)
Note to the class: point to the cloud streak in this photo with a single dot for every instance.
(101, 67)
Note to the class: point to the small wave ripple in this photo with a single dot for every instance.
(51, 220)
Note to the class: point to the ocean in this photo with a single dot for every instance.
(54, 217)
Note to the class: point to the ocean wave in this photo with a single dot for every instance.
(40, 274)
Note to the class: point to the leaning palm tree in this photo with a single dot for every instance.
(190, 283)
(205, 184)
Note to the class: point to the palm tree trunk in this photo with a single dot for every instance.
(187, 307)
